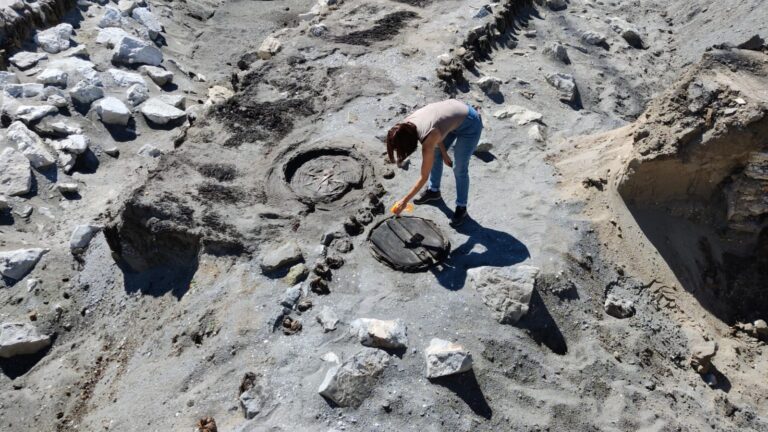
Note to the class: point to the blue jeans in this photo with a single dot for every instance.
(466, 137)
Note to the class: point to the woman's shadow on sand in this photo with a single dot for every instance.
(500, 250)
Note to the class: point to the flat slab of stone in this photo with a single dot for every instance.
(132, 51)
(506, 291)
(350, 383)
(15, 173)
(161, 113)
(25, 59)
(112, 111)
(20, 339)
(408, 243)
(15, 264)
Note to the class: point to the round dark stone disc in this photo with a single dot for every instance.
(408, 243)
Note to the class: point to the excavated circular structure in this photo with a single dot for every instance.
(321, 175)
(408, 243)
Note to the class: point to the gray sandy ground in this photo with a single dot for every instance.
(160, 350)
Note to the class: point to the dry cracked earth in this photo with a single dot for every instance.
(194, 217)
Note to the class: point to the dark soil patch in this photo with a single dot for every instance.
(384, 29)
(257, 121)
(219, 171)
(220, 193)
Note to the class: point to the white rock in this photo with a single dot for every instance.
(269, 48)
(490, 85)
(67, 161)
(132, 51)
(558, 52)
(446, 358)
(111, 36)
(537, 133)
(25, 59)
(350, 383)
(68, 187)
(149, 20)
(82, 236)
(161, 113)
(8, 78)
(518, 114)
(126, 7)
(15, 174)
(160, 76)
(78, 69)
(57, 100)
(4, 203)
(176, 100)
(218, 95)
(63, 128)
(55, 39)
(137, 94)
(111, 18)
(17, 263)
(73, 144)
(328, 319)
(126, 79)
(112, 111)
(86, 93)
(285, 255)
(30, 145)
(32, 113)
(78, 51)
(506, 291)
(26, 90)
(20, 339)
(52, 76)
(380, 333)
(565, 85)
(148, 150)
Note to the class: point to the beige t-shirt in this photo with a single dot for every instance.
(444, 116)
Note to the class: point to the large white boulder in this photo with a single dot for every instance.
(112, 111)
(351, 382)
(32, 113)
(17, 263)
(30, 145)
(86, 93)
(15, 174)
(380, 333)
(55, 39)
(53, 76)
(506, 291)
(25, 59)
(149, 20)
(132, 51)
(20, 339)
(161, 113)
(446, 358)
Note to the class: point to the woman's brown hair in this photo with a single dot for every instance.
(402, 140)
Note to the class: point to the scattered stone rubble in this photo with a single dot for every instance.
(351, 382)
(446, 358)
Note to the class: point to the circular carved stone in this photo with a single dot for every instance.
(408, 243)
(326, 178)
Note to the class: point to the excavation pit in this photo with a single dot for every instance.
(324, 176)
(409, 244)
